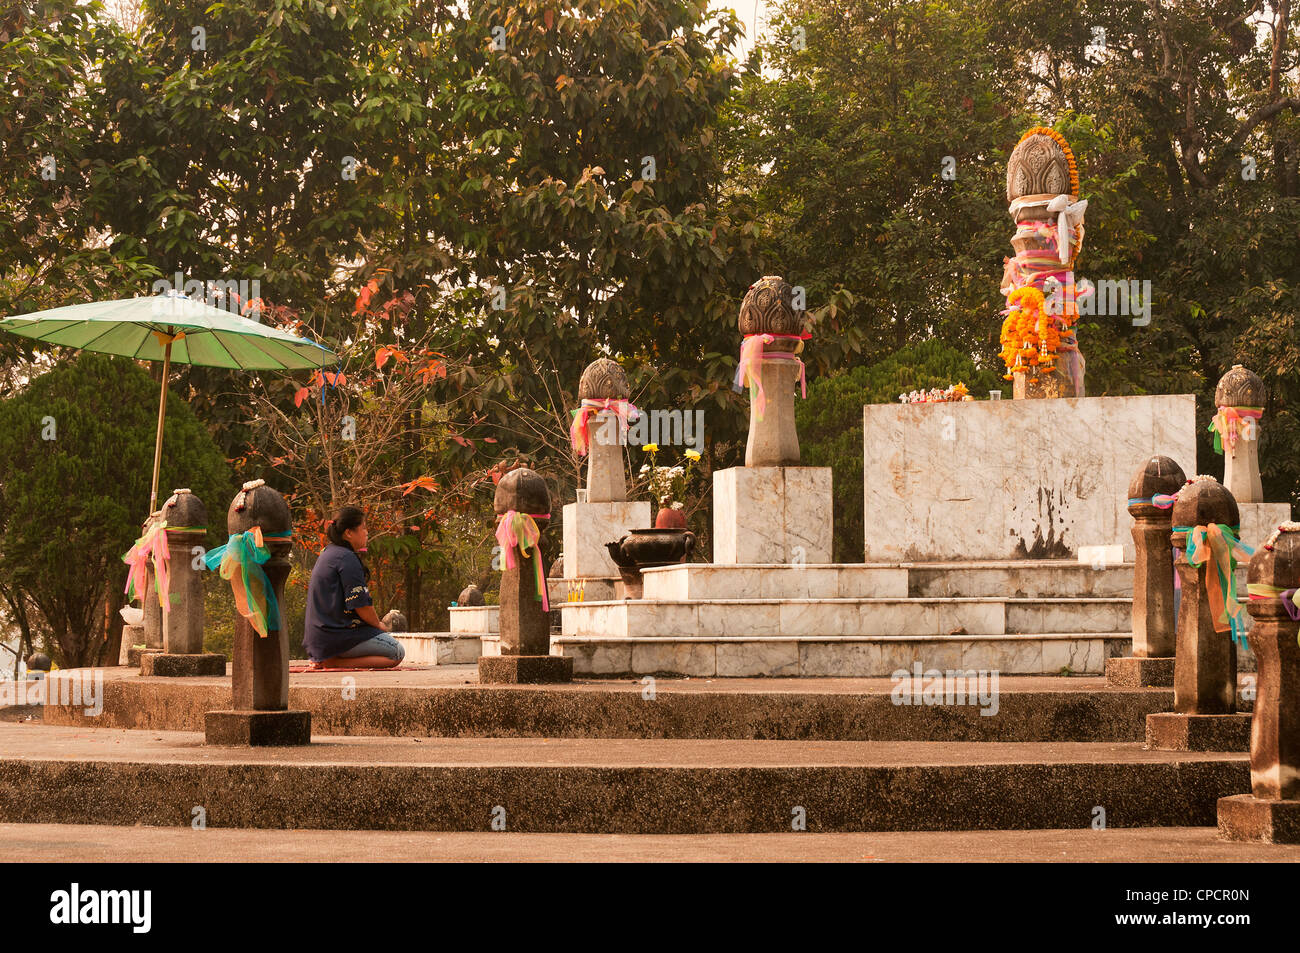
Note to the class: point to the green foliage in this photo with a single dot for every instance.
(77, 499)
(830, 421)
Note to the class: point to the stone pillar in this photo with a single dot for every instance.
(771, 510)
(1152, 662)
(182, 623)
(1271, 812)
(773, 440)
(260, 668)
(524, 623)
(1241, 390)
(608, 514)
(1205, 666)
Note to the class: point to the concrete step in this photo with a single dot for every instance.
(1027, 578)
(108, 776)
(716, 618)
(814, 656)
(448, 702)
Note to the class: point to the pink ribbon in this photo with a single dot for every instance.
(748, 371)
(151, 545)
(520, 529)
(579, 430)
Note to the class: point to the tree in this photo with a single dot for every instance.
(76, 459)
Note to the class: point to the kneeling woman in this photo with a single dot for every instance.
(342, 628)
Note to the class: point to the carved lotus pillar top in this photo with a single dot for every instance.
(604, 379)
(1240, 388)
(768, 308)
(1041, 165)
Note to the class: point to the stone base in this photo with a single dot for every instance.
(524, 669)
(1171, 731)
(257, 728)
(182, 666)
(135, 656)
(1258, 520)
(772, 515)
(1133, 672)
(1247, 818)
(1002, 502)
(589, 526)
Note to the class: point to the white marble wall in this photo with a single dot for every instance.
(589, 526)
(772, 515)
(1009, 479)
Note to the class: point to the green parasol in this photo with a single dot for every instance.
(167, 328)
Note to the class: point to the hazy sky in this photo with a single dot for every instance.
(745, 10)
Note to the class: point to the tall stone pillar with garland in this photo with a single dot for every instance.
(1039, 338)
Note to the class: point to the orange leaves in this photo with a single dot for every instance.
(548, 17)
(300, 396)
(384, 353)
(419, 483)
(432, 370)
(318, 379)
(363, 299)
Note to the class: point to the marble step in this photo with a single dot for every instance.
(626, 786)
(441, 648)
(835, 617)
(1026, 578)
(1079, 653)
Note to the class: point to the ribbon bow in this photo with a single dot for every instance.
(579, 430)
(1290, 597)
(1227, 425)
(751, 358)
(1217, 546)
(520, 530)
(152, 544)
(241, 560)
(1069, 215)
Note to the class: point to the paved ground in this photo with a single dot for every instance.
(95, 843)
(33, 741)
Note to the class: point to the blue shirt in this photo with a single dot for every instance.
(336, 590)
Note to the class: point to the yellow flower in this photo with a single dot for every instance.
(692, 454)
(651, 448)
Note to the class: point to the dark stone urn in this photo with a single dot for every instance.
(646, 548)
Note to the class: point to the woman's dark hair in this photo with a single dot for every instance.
(344, 519)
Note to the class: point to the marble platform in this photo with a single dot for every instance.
(987, 480)
(1025, 617)
(772, 515)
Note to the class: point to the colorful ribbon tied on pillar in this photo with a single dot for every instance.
(241, 560)
(1259, 591)
(151, 545)
(1217, 547)
(1230, 423)
(1162, 501)
(749, 370)
(580, 429)
(520, 530)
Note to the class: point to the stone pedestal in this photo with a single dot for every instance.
(773, 440)
(182, 624)
(523, 620)
(133, 635)
(777, 515)
(1258, 520)
(1271, 812)
(1205, 667)
(259, 712)
(589, 526)
(606, 482)
(1241, 466)
(953, 482)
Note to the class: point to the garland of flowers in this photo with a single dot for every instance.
(956, 392)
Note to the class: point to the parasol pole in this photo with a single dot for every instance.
(162, 413)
